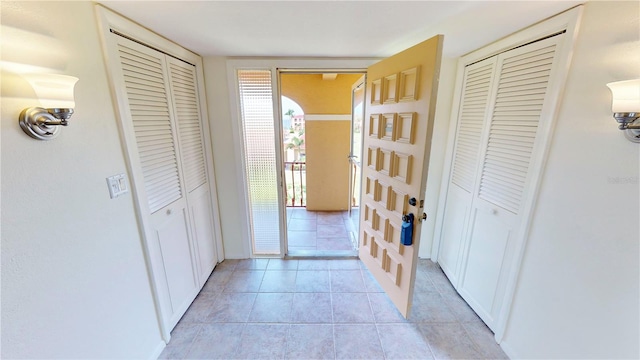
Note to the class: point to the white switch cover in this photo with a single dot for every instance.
(117, 185)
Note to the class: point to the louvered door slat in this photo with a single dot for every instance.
(182, 77)
(522, 85)
(528, 67)
(139, 89)
(498, 160)
(525, 143)
(150, 141)
(155, 166)
(473, 106)
(506, 199)
(529, 56)
(507, 172)
(493, 151)
(165, 197)
(147, 96)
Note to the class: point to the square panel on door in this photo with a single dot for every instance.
(398, 202)
(371, 188)
(390, 89)
(393, 268)
(372, 158)
(376, 92)
(402, 167)
(392, 236)
(385, 161)
(388, 127)
(409, 84)
(406, 127)
(374, 126)
(383, 192)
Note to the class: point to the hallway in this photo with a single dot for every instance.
(325, 309)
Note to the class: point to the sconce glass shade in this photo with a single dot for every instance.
(54, 91)
(626, 96)
(626, 107)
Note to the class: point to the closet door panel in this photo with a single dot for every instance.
(453, 231)
(184, 91)
(478, 81)
(156, 164)
(173, 236)
(203, 232)
(510, 144)
(487, 246)
(185, 99)
(144, 79)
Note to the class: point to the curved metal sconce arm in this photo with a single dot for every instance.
(44, 124)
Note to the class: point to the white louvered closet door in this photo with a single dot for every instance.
(509, 146)
(184, 91)
(156, 162)
(478, 80)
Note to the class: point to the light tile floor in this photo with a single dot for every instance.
(325, 309)
(310, 231)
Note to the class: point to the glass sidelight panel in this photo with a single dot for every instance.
(256, 107)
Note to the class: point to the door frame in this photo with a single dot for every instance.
(569, 22)
(275, 65)
(307, 71)
(107, 21)
(362, 82)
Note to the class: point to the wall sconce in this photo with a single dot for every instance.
(55, 93)
(626, 107)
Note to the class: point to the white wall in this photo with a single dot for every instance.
(441, 123)
(74, 282)
(225, 159)
(578, 292)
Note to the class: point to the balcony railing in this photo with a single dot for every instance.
(295, 174)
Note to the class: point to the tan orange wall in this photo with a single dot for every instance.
(327, 165)
(327, 142)
(317, 96)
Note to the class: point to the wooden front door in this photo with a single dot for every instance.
(400, 106)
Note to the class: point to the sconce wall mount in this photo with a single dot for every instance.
(44, 124)
(626, 107)
(55, 93)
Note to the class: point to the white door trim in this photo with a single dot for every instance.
(568, 21)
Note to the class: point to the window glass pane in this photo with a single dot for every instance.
(256, 106)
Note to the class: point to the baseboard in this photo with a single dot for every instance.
(508, 350)
(157, 351)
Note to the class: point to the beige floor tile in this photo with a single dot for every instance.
(312, 308)
(359, 341)
(403, 341)
(311, 341)
(263, 341)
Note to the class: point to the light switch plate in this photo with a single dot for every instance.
(117, 185)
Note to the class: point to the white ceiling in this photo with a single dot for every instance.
(333, 28)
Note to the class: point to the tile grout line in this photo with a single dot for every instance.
(200, 326)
